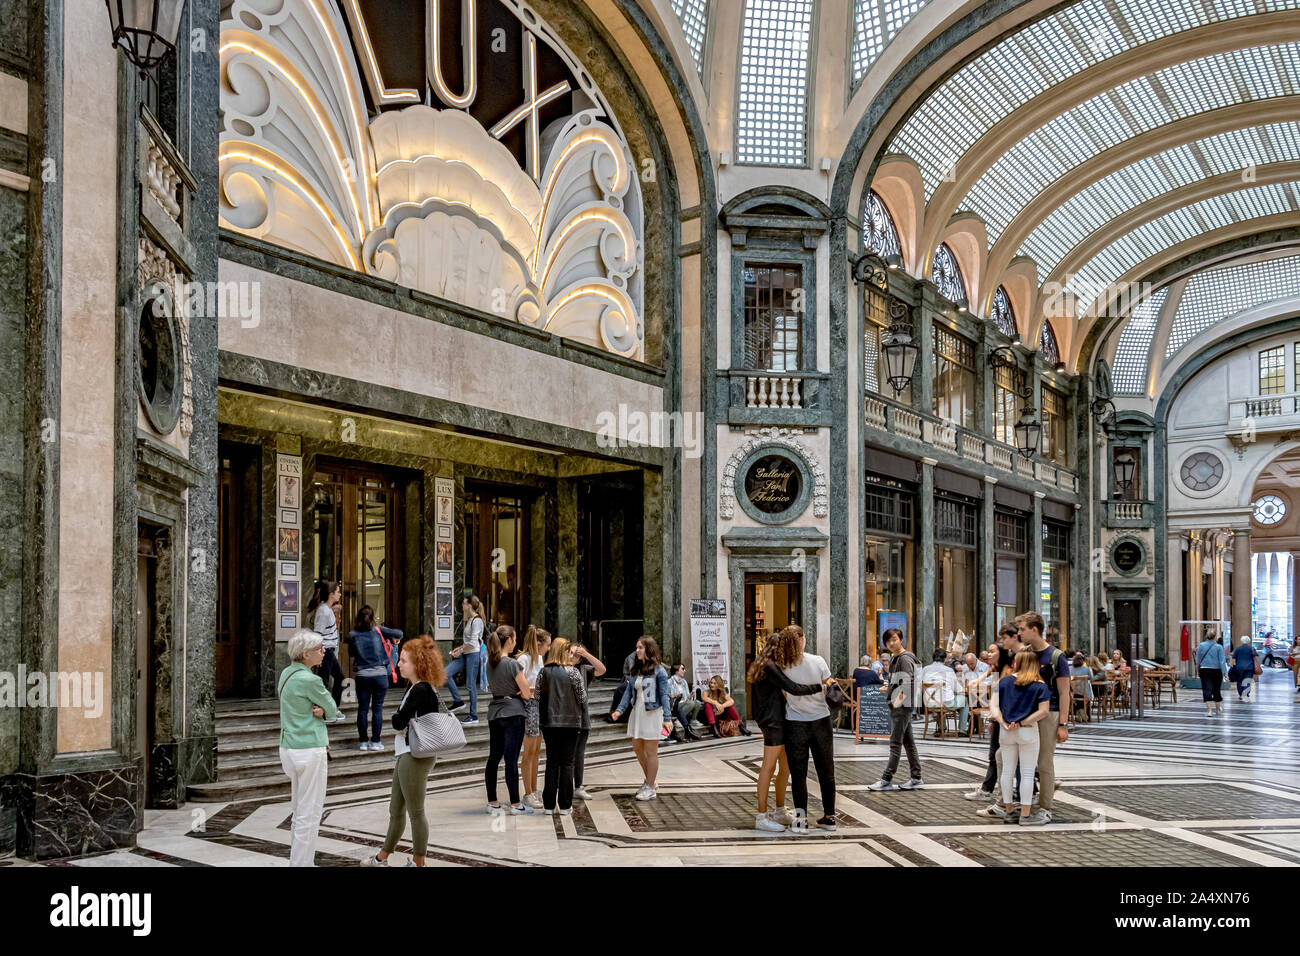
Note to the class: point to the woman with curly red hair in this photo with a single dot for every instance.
(421, 664)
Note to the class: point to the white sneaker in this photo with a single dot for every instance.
(982, 795)
(880, 785)
(376, 746)
(645, 793)
(373, 860)
(511, 808)
(364, 745)
(565, 813)
(763, 821)
(781, 815)
(533, 800)
(581, 793)
(495, 809)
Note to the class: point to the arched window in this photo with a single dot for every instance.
(1003, 316)
(946, 274)
(879, 232)
(1047, 345)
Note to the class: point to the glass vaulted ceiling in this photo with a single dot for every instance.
(1114, 196)
(771, 118)
(1124, 113)
(1182, 224)
(1026, 64)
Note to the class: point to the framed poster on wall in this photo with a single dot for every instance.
(288, 543)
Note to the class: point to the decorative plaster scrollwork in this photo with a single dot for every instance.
(423, 197)
(787, 437)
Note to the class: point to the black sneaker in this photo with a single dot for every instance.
(826, 823)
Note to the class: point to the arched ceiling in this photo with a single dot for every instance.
(1178, 320)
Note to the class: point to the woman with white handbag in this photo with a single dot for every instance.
(421, 664)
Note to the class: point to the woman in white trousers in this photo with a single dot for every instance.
(305, 705)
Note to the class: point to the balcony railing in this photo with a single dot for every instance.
(1120, 514)
(777, 398)
(939, 433)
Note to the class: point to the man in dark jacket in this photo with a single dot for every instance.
(902, 700)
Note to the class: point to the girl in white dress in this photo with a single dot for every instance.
(647, 721)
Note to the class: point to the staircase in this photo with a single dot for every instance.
(248, 748)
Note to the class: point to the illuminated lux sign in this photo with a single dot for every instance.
(526, 113)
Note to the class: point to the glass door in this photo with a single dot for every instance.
(497, 569)
(356, 516)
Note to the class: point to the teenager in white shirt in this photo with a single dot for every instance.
(807, 730)
(536, 643)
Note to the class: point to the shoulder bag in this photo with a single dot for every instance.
(835, 696)
(435, 734)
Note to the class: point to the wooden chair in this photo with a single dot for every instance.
(979, 718)
(1080, 702)
(1103, 698)
(943, 712)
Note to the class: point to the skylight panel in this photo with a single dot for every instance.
(875, 23)
(1133, 352)
(1216, 295)
(694, 17)
(771, 118)
(1180, 225)
(1001, 80)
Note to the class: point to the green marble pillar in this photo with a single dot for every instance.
(986, 601)
(566, 624)
(923, 629)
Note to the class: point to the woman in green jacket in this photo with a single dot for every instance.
(305, 705)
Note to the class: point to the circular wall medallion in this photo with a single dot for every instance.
(1201, 471)
(773, 484)
(1269, 509)
(160, 362)
(1128, 556)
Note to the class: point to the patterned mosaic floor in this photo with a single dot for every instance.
(1174, 789)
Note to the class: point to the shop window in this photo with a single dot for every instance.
(1055, 440)
(774, 310)
(496, 554)
(1272, 371)
(1010, 538)
(954, 379)
(956, 522)
(888, 510)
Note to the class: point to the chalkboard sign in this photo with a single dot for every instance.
(873, 713)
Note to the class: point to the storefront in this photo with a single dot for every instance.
(1054, 580)
(956, 535)
(1010, 550)
(890, 506)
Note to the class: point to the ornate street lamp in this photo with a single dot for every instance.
(1028, 429)
(146, 30)
(896, 343)
(1125, 465)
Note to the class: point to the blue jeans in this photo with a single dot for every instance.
(482, 672)
(370, 696)
(468, 664)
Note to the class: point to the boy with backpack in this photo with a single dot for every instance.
(1054, 668)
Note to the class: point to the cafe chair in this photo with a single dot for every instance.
(1079, 694)
(939, 710)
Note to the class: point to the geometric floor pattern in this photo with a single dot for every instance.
(1174, 789)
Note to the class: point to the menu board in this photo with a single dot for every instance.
(873, 713)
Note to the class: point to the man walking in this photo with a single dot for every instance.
(902, 691)
(1054, 668)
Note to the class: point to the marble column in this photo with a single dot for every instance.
(1174, 587)
(1034, 556)
(987, 604)
(926, 579)
(1241, 583)
(567, 557)
(1194, 610)
(1295, 593)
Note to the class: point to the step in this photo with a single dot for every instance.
(377, 774)
(347, 758)
(240, 716)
